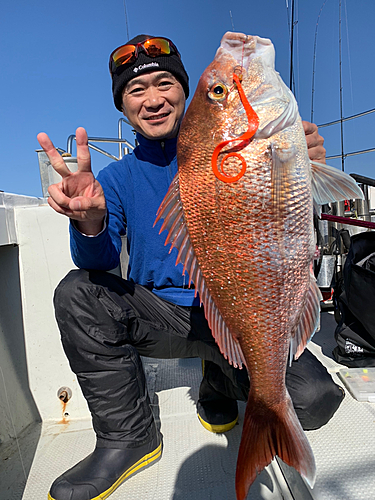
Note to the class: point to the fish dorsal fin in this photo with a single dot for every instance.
(309, 322)
(330, 184)
(178, 237)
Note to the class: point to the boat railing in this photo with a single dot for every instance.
(337, 223)
(119, 140)
(45, 167)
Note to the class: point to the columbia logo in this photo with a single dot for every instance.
(144, 66)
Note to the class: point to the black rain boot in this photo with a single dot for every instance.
(99, 474)
(216, 412)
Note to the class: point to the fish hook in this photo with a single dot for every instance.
(253, 122)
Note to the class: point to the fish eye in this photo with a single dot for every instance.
(218, 92)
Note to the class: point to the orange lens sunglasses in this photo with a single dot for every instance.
(127, 54)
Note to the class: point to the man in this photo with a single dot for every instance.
(107, 323)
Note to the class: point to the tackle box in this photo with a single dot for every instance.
(360, 382)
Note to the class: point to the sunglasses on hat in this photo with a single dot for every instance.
(128, 53)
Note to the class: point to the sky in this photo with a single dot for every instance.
(54, 68)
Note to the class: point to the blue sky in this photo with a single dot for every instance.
(54, 67)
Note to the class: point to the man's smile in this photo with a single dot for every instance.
(157, 117)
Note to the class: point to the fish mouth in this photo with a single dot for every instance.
(243, 48)
(240, 37)
(238, 45)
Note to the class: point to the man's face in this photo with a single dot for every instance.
(154, 103)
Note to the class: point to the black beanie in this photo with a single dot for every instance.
(144, 63)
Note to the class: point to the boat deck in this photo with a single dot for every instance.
(201, 465)
(195, 463)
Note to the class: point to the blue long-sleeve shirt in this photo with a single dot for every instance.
(134, 188)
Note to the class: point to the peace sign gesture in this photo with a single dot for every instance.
(79, 195)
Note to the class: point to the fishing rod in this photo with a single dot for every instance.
(314, 62)
(342, 119)
(291, 48)
(358, 115)
(341, 105)
(126, 19)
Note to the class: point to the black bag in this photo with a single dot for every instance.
(355, 333)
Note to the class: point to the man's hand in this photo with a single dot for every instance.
(79, 195)
(314, 142)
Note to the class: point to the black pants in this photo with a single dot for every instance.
(107, 323)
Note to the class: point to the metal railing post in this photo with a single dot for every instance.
(120, 122)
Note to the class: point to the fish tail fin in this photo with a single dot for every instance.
(268, 432)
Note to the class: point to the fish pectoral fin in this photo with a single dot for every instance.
(178, 237)
(309, 322)
(269, 431)
(330, 184)
(283, 160)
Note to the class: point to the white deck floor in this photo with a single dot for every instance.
(200, 465)
(345, 448)
(196, 464)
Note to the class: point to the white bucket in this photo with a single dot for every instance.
(54, 177)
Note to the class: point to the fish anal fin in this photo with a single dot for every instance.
(309, 322)
(267, 432)
(330, 184)
(171, 210)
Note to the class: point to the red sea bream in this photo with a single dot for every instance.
(240, 213)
